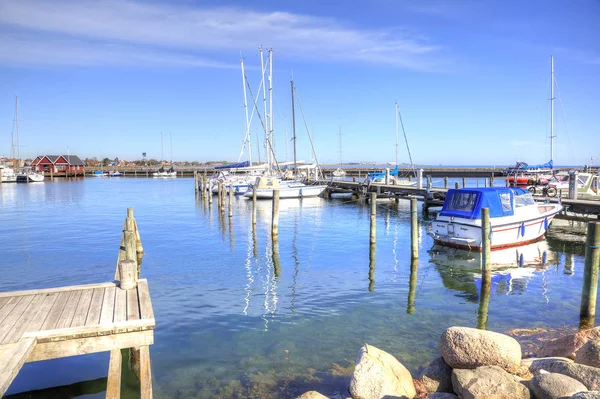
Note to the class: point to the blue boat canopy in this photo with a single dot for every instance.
(374, 175)
(548, 164)
(234, 165)
(467, 202)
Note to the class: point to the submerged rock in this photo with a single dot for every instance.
(379, 374)
(437, 376)
(442, 395)
(587, 375)
(569, 344)
(589, 353)
(468, 348)
(487, 382)
(587, 395)
(554, 386)
(312, 395)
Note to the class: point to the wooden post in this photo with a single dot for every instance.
(113, 385)
(456, 185)
(373, 233)
(492, 180)
(590, 274)
(222, 201)
(195, 182)
(412, 286)
(209, 192)
(354, 179)
(253, 206)
(506, 182)
(276, 262)
(128, 272)
(429, 183)
(414, 229)
(52, 173)
(230, 199)
(485, 182)
(484, 299)
(372, 256)
(445, 182)
(275, 214)
(145, 373)
(485, 238)
(464, 182)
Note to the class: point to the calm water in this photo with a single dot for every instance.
(235, 321)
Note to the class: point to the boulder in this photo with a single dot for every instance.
(469, 348)
(554, 386)
(437, 376)
(312, 395)
(587, 395)
(589, 353)
(587, 375)
(442, 395)
(487, 382)
(378, 374)
(569, 344)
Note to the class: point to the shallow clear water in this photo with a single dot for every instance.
(233, 320)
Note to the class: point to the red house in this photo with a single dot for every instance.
(59, 164)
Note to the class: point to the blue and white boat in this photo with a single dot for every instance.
(99, 173)
(515, 218)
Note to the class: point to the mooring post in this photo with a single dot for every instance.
(52, 173)
(464, 182)
(484, 299)
(590, 274)
(507, 182)
(456, 185)
(275, 214)
(573, 185)
(354, 179)
(412, 286)
(420, 179)
(222, 202)
(276, 262)
(429, 183)
(230, 199)
(414, 229)
(254, 206)
(196, 182)
(372, 258)
(445, 182)
(373, 235)
(485, 238)
(128, 274)
(209, 192)
(492, 180)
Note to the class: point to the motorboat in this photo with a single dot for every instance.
(238, 176)
(339, 172)
(29, 176)
(515, 218)
(8, 174)
(388, 177)
(99, 173)
(115, 173)
(264, 186)
(588, 184)
(165, 173)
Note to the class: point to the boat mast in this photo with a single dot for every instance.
(396, 133)
(162, 149)
(294, 127)
(271, 141)
(263, 70)
(340, 133)
(248, 138)
(171, 143)
(552, 136)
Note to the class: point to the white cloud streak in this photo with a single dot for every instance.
(88, 32)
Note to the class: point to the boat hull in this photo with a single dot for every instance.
(288, 192)
(33, 178)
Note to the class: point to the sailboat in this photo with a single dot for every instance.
(392, 177)
(339, 172)
(162, 172)
(23, 175)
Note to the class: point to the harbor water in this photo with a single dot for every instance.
(238, 318)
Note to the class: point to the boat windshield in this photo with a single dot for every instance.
(462, 202)
(584, 179)
(523, 200)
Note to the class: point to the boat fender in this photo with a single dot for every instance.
(521, 260)
(545, 223)
(522, 229)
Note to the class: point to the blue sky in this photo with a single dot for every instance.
(472, 78)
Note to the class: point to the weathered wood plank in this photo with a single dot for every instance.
(43, 312)
(146, 311)
(120, 305)
(12, 361)
(68, 312)
(82, 346)
(82, 308)
(108, 306)
(8, 307)
(113, 385)
(24, 319)
(133, 308)
(56, 311)
(93, 331)
(3, 301)
(57, 289)
(10, 321)
(145, 373)
(93, 316)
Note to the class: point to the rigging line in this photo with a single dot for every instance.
(319, 172)
(254, 109)
(564, 119)
(406, 140)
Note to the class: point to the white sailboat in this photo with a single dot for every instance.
(340, 172)
(162, 172)
(23, 175)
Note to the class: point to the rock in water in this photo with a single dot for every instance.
(442, 395)
(437, 376)
(589, 353)
(312, 395)
(487, 382)
(587, 395)
(379, 374)
(587, 375)
(569, 344)
(468, 348)
(554, 386)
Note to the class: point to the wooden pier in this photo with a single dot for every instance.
(76, 320)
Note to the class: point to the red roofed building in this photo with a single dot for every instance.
(59, 165)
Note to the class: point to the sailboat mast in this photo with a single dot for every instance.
(263, 70)
(340, 133)
(271, 140)
(162, 149)
(552, 136)
(396, 133)
(17, 131)
(294, 126)
(171, 143)
(248, 138)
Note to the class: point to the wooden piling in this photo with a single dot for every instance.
(445, 182)
(231, 200)
(51, 174)
(254, 206)
(412, 286)
(464, 182)
(456, 185)
(590, 273)
(275, 214)
(429, 183)
(276, 262)
(485, 238)
(209, 192)
(196, 182)
(484, 299)
(492, 180)
(372, 257)
(373, 232)
(414, 229)
(113, 384)
(128, 273)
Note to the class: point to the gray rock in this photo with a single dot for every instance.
(468, 348)
(554, 386)
(589, 353)
(487, 382)
(312, 395)
(569, 344)
(378, 374)
(587, 375)
(587, 395)
(442, 395)
(437, 376)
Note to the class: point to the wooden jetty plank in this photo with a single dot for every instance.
(81, 346)
(9, 321)
(113, 385)
(145, 373)
(12, 360)
(146, 311)
(24, 319)
(93, 316)
(8, 307)
(120, 305)
(68, 312)
(66, 334)
(56, 311)
(43, 312)
(3, 300)
(133, 309)
(58, 289)
(82, 309)
(108, 306)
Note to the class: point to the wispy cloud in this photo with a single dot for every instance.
(88, 32)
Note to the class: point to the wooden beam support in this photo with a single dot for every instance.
(113, 385)
(145, 373)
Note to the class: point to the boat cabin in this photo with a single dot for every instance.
(502, 201)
